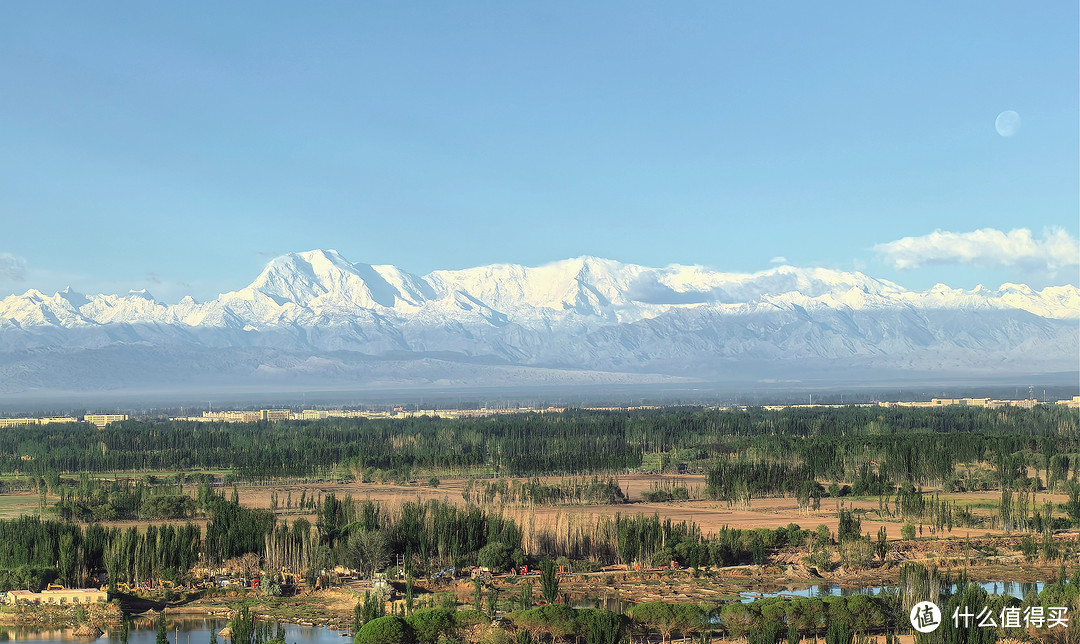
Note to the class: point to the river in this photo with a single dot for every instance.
(186, 631)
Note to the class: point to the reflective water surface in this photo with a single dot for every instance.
(1014, 588)
(144, 631)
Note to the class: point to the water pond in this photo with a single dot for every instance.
(612, 601)
(1014, 588)
(186, 631)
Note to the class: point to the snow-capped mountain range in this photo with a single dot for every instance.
(316, 317)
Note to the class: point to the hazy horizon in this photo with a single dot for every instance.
(1051, 388)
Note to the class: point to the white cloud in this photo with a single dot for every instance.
(985, 248)
(12, 267)
(779, 259)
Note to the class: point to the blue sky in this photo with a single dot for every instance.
(178, 146)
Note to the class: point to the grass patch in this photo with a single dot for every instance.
(17, 505)
(650, 461)
(979, 504)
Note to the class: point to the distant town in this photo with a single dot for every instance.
(271, 415)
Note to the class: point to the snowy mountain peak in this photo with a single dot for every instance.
(75, 299)
(580, 313)
(1019, 288)
(323, 285)
(301, 278)
(141, 293)
(323, 278)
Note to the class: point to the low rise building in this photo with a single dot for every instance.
(964, 402)
(22, 422)
(19, 422)
(57, 597)
(1072, 403)
(101, 420)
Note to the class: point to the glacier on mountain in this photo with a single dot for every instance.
(587, 314)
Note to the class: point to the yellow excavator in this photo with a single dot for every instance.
(55, 587)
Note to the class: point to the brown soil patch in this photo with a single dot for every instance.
(710, 516)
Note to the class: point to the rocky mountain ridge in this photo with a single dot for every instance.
(586, 314)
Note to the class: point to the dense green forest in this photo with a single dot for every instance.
(150, 471)
(805, 453)
(777, 449)
(429, 537)
(808, 454)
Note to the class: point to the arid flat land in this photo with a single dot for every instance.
(710, 516)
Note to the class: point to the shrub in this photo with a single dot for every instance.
(496, 636)
(555, 620)
(773, 610)
(167, 506)
(587, 565)
(389, 629)
(467, 618)
(858, 552)
(805, 613)
(430, 623)
(657, 495)
(1029, 548)
(867, 612)
(838, 613)
(601, 626)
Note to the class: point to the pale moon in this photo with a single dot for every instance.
(1007, 123)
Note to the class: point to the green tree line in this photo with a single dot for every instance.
(869, 445)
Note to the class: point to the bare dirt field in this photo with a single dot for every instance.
(772, 513)
(449, 488)
(994, 496)
(709, 516)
